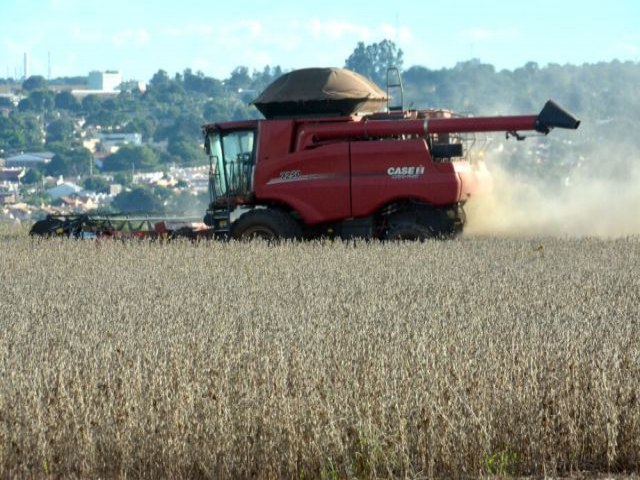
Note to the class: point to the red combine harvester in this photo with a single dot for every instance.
(311, 170)
(320, 165)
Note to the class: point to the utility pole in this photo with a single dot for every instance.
(26, 65)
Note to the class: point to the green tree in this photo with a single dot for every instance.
(130, 157)
(216, 110)
(199, 83)
(91, 104)
(20, 131)
(62, 131)
(33, 175)
(260, 80)
(138, 200)
(188, 124)
(96, 184)
(123, 178)
(239, 79)
(159, 80)
(145, 126)
(6, 103)
(72, 162)
(106, 119)
(39, 101)
(66, 101)
(33, 83)
(184, 150)
(163, 92)
(373, 60)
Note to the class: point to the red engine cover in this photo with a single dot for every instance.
(352, 178)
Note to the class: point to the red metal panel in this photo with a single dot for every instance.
(313, 182)
(482, 124)
(388, 170)
(474, 178)
(275, 138)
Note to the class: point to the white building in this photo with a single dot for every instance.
(107, 81)
(111, 141)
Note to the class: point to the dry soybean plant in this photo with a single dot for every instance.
(319, 360)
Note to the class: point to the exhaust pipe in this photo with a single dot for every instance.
(552, 116)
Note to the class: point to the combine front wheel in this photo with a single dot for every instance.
(47, 227)
(266, 223)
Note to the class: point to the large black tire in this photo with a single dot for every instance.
(267, 224)
(408, 231)
(420, 223)
(46, 227)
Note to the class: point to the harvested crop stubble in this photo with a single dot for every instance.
(460, 358)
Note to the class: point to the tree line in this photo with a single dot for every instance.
(169, 113)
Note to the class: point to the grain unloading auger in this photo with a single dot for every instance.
(319, 165)
(552, 116)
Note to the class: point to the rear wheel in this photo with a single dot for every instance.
(423, 222)
(267, 224)
(409, 231)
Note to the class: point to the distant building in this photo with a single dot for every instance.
(108, 81)
(7, 197)
(79, 204)
(11, 175)
(110, 141)
(14, 99)
(115, 189)
(64, 190)
(29, 160)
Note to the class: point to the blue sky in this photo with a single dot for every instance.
(139, 38)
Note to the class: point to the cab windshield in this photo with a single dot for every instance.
(232, 157)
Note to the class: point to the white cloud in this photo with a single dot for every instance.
(337, 29)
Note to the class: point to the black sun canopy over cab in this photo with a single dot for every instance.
(320, 92)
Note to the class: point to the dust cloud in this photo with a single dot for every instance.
(591, 204)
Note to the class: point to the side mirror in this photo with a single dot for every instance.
(207, 144)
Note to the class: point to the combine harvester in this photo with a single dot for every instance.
(333, 158)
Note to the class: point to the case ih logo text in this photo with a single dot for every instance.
(405, 172)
